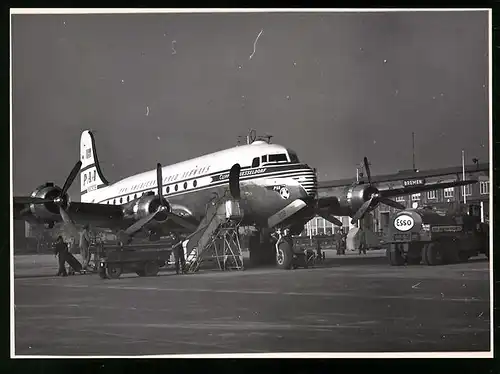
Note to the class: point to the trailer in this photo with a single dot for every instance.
(143, 259)
(435, 237)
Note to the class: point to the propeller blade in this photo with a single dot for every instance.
(71, 178)
(367, 170)
(392, 203)
(31, 200)
(159, 181)
(335, 221)
(234, 181)
(141, 223)
(182, 222)
(362, 211)
(68, 223)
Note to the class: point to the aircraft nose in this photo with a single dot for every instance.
(310, 182)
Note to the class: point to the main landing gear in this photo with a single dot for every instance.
(275, 249)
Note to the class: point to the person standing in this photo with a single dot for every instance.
(180, 261)
(84, 246)
(60, 251)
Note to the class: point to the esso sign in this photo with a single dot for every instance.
(404, 222)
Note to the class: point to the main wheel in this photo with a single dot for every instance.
(432, 254)
(114, 271)
(284, 255)
(151, 269)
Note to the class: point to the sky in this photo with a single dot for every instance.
(335, 87)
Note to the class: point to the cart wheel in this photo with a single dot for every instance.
(114, 271)
(151, 269)
(284, 257)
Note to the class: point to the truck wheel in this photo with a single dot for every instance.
(114, 271)
(394, 256)
(433, 254)
(151, 269)
(284, 256)
(414, 256)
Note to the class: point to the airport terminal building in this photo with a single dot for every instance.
(475, 194)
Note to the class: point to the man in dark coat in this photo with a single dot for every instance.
(60, 250)
(178, 254)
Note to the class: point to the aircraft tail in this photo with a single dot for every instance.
(91, 176)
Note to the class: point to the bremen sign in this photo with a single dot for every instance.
(413, 182)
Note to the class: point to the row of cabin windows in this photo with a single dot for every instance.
(280, 157)
(121, 200)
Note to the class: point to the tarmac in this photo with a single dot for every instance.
(354, 303)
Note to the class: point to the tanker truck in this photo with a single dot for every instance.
(435, 237)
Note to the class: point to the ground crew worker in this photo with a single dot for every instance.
(344, 242)
(338, 242)
(60, 251)
(84, 247)
(362, 242)
(178, 254)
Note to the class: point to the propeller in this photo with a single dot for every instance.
(234, 181)
(374, 199)
(136, 226)
(59, 200)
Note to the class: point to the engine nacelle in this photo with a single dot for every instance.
(351, 198)
(144, 206)
(49, 211)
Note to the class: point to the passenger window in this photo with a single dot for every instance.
(114, 202)
(120, 200)
(255, 162)
(195, 183)
(107, 202)
(135, 196)
(176, 187)
(185, 185)
(168, 189)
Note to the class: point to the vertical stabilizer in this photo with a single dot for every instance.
(91, 177)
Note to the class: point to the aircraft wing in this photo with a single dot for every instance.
(97, 215)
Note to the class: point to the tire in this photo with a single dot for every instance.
(113, 271)
(151, 269)
(394, 256)
(414, 256)
(433, 254)
(414, 260)
(284, 255)
(140, 273)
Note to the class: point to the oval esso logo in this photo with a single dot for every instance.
(404, 222)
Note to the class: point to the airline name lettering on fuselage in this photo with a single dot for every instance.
(244, 173)
(89, 177)
(169, 179)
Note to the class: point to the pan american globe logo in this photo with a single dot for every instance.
(284, 193)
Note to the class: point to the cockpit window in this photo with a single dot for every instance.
(278, 158)
(293, 157)
(255, 162)
(264, 158)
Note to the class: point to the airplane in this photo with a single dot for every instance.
(277, 193)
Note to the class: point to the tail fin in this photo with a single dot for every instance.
(91, 177)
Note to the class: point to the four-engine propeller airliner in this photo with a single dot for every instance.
(277, 193)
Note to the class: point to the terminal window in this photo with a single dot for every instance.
(449, 192)
(484, 188)
(431, 195)
(467, 190)
(415, 197)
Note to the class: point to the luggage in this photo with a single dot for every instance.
(73, 262)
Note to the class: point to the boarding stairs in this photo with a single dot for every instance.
(217, 237)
